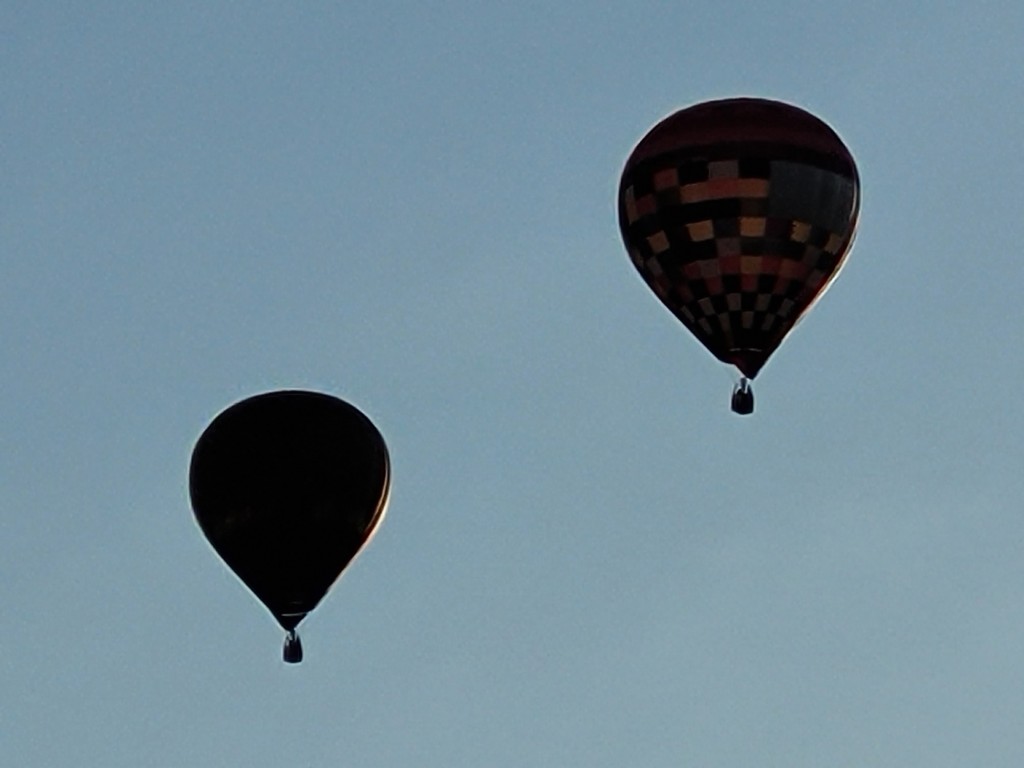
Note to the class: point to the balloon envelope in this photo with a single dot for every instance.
(288, 487)
(738, 214)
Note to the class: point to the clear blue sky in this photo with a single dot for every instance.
(587, 559)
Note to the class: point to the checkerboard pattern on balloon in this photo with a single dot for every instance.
(738, 246)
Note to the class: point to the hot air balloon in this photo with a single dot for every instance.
(738, 214)
(288, 487)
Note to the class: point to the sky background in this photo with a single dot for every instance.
(587, 559)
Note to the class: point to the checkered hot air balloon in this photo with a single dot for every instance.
(738, 214)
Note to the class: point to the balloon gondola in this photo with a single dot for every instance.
(288, 488)
(738, 214)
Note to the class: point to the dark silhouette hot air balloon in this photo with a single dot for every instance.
(288, 487)
(738, 214)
